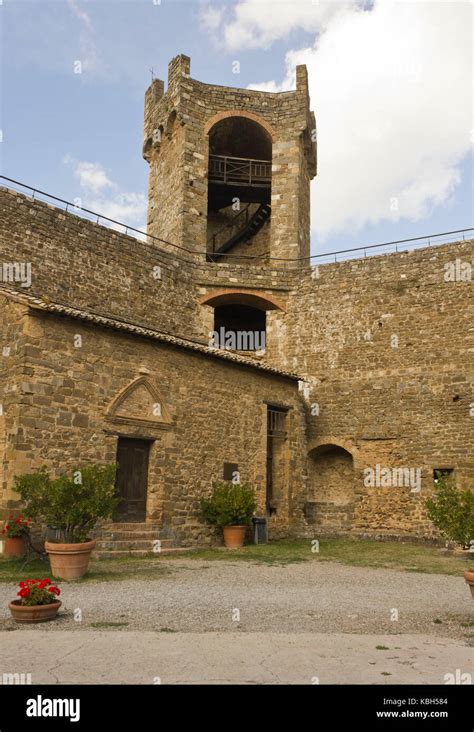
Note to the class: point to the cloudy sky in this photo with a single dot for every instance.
(390, 82)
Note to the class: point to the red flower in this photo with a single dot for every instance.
(25, 592)
(54, 590)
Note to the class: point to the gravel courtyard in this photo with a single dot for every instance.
(194, 596)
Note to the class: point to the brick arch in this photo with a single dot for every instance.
(235, 296)
(237, 113)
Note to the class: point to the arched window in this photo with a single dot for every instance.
(239, 186)
(240, 318)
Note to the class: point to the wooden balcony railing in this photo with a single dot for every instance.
(239, 171)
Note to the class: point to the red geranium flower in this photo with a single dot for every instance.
(25, 592)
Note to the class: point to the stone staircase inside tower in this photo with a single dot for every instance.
(133, 540)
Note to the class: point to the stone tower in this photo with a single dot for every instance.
(230, 169)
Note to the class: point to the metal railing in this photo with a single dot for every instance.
(397, 245)
(239, 171)
(239, 221)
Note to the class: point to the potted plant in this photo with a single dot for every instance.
(75, 503)
(37, 601)
(230, 507)
(452, 512)
(15, 532)
(469, 577)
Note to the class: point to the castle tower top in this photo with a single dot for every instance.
(229, 167)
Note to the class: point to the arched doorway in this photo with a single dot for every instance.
(330, 488)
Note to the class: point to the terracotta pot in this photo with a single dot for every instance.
(34, 613)
(469, 577)
(14, 546)
(69, 561)
(234, 536)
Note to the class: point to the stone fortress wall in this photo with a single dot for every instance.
(381, 345)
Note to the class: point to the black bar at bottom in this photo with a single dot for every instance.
(92, 707)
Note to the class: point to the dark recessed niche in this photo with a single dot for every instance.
(229, 470)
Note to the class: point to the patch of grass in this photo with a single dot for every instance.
(168, 630)
(107, 624)
(385, 673)
(437, 621)
(382, 648)
(404, 556)
(100, 570)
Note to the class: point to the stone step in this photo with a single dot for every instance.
(151, 535)
(118, 553)
(119, 544)
(130, 526)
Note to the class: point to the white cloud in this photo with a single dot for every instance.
(211, 17)
(391, 88)
(258, 23)
(128, 208)
(81, 14)
(92, 176)
(100, 194)
(88, 49)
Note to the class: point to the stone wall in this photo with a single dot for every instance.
(72, 411)
(81, 263)
(12, 355)
(84, 264)
(384, 344)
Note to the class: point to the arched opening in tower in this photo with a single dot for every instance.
(239, 189)
(239, 327)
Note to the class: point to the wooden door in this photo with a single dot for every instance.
(132, 478)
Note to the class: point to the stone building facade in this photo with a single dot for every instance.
(362, 390)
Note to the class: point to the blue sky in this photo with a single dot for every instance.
(391, 88)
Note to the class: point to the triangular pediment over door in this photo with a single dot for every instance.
(140, 403)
